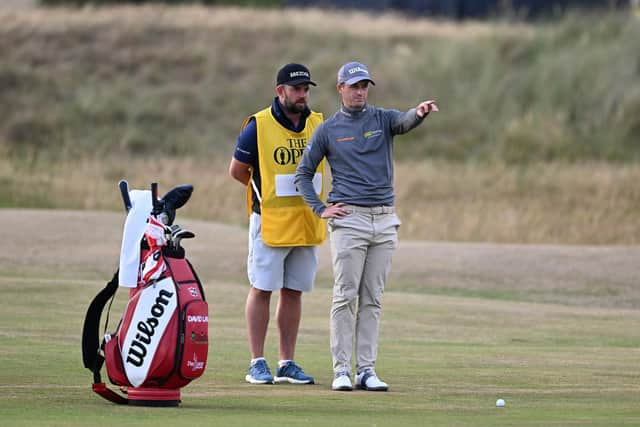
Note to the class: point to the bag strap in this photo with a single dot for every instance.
(110, 395)
(91, 347)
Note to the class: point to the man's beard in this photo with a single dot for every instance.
(293, 107)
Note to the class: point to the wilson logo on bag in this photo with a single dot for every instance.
(155, 308)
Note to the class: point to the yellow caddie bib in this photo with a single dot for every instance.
(286, 219)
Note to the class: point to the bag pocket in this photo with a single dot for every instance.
(194, 339)
(113, 360)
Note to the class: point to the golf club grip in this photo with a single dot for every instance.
(154, 197)
(124, 192)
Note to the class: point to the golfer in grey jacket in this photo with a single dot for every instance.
(358, 144)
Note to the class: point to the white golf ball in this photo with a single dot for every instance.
(500, 403)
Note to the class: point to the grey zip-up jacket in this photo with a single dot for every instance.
(359, 148)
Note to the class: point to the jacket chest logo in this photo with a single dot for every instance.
(372, 133)
(345, 138)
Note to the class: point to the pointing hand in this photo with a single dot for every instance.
(426, 107)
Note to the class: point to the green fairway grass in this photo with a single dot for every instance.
(447, 356)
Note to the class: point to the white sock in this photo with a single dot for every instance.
(281, 363)
(253, 361)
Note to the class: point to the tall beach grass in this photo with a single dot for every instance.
(537, 140)
(179, 80)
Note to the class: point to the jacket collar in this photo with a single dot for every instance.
(352, 112)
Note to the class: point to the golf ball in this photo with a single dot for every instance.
(500, 403)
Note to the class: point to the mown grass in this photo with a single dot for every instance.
(447, 358)
(551, 329)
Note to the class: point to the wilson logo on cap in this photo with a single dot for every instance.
(353, 72)
(358, 69)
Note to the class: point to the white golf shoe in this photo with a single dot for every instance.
(342, 382)
(368, 380)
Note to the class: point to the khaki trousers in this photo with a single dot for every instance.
(362, 245)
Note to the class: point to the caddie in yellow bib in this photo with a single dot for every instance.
(284, 233)
(286, 219)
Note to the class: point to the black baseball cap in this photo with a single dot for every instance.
(294, 74)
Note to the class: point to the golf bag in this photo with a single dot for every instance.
(161, 342)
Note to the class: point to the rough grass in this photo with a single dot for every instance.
(535, 122)
(180, 80)
(569, 360)
(593, 203)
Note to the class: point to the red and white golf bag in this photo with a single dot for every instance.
(161, 342)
